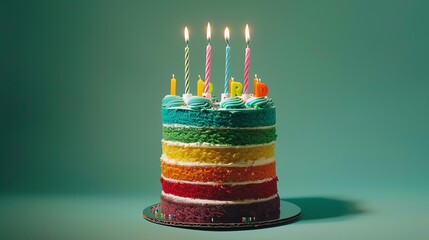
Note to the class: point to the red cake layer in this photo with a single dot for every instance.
(221, 191)
(220, 213)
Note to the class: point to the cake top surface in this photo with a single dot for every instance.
(200, 103)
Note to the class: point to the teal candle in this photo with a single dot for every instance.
(227, 61)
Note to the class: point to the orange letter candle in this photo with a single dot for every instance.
(261, 89)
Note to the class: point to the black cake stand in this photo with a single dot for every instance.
(289, 212)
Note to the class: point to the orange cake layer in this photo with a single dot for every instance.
(218, 173)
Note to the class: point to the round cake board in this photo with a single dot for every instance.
(289, 212)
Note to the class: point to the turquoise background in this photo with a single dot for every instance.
(82, 82)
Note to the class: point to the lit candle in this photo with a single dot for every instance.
(173, 86)
(236, 88)
(247, 62)
(208, 59)
(200, 86)
(255, 81)
(227, 60)
(211, 88)
(261, 89)
(187, 88)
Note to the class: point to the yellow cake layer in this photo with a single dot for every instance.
(217, 155)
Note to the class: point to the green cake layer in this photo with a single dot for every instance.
(227, 136)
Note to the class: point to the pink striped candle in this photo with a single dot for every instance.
(246, 62)
(208, 60)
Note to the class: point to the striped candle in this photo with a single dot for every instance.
(246, 62)
(227, 61)
(208, 60)
(187, 88)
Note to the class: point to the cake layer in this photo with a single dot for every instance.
(219, 117)
(220, 191)
(216, 154)
(225, 136)
(182, 210)
(219, 174)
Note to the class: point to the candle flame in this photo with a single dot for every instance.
(247, 34)
(208, 32)
(226, 34)
(186, 35)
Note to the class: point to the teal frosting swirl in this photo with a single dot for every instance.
(234, 103)
(259, 102)
(172, 101)
(199, 103)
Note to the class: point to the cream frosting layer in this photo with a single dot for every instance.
(217, 183)
(258, 162)
(205, 201)
(211, 145)
(189, 126)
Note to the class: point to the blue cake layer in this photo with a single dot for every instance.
(219, 117)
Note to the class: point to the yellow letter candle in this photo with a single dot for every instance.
(211, 88)
(173, 86)
(236, 88)
(200, 86)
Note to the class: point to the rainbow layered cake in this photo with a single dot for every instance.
(217, 163)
